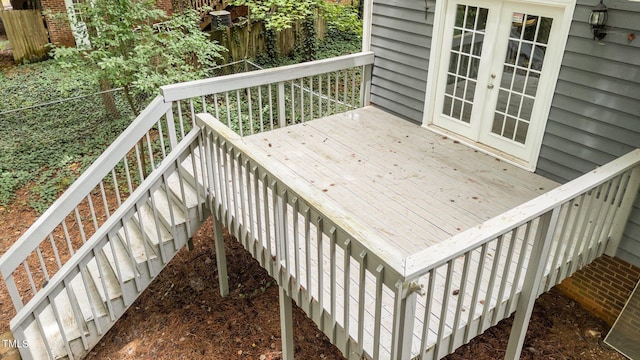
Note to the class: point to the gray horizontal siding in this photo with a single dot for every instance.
(401, 39)
(595, 113)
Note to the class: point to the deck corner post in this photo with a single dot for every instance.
(221, 258)
(286, 324)
(624, 211)
(534, 273)
(406, 297)
(365, 86)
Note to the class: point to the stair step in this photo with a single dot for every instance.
(113, 287)
(51, 329)
(188, 172)
(177, 186)
(87, 299)
(121, 260)
(136, 242)
(149, 223)
(166, 209)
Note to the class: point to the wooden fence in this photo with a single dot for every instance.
(26, 33)
(248, 40)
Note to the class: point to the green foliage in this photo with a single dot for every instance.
(129, 51)
(282, 14)
(49, 146)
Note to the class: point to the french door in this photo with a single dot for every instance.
(497, 71)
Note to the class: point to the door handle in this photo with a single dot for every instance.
(493, 76)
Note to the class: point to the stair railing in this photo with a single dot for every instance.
(80, 211)
(104, 238)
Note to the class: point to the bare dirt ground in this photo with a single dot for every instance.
(182, 316)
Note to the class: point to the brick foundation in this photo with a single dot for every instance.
(602, 287)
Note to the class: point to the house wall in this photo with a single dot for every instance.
(59, 31)
(401, 39)
(595, 113)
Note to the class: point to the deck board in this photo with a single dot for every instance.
(391, 175)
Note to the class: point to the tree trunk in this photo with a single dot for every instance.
(108, 100)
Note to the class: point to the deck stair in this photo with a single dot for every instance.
(109, 282)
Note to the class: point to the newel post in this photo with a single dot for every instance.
(404, 311)
(535, 271)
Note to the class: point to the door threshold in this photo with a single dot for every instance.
(500, 155)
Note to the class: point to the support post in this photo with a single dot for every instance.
(403, 319)
(623, 212)
(535, 270)
(221, 258)
(286, 325)
(365, 86)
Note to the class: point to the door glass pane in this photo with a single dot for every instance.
(522, 67)
(464, 61)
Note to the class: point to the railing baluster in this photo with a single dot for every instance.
(320, 95)
(250, 111)
(271, 107)
(333, 239)
(228, 108)
(460, 301)
(29, 277)
(505, 276)
(55, 251)
(362, 301)
(346, 291)
(292, 119)
(482, 326)
(477, 285)
(104, 200)
(94, 216)
(180, 118)
(320, 259)
(42, 264)
(216, 106)
(377, 322)
(116, 187)
(302, 100)
(426, 327)
(240, 123)
(260, 109)
(296, 247)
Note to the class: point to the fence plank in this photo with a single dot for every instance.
(26, 33)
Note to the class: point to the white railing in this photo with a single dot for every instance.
(76, 216)
(262, 100)
(489, 271)
(113, 301)
(309, 248)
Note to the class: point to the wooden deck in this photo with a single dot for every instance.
(363, 210)
(414, 187)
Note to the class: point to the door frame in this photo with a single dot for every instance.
(553, 67)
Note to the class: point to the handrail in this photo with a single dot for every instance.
(221, 84)
(104, 230)
(421, 263)
(89, 179)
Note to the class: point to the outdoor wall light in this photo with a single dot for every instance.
(598, 21)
